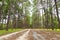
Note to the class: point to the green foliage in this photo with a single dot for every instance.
(4, 32)
(35, 2)
(13, 7)
(0, 0)
(27, 3)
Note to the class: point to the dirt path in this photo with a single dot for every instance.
(13, 36)
(47, 35)
(32, 34)
(24, 36)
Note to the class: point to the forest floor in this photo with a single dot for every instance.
(32, 34)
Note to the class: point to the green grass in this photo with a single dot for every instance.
(4, 32)
(55, 30)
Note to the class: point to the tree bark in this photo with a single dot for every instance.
(57, 13)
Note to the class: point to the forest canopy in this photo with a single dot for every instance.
(29, 14)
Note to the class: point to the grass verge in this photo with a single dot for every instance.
(4, 32)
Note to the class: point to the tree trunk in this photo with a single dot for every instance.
(57, 13)
(8, 20)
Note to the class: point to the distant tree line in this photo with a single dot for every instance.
(24, 14)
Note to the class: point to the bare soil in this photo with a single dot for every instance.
(34, 34)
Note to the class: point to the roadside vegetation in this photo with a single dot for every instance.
(32, 14)
(4, 32)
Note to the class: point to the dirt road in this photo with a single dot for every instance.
(32, 34)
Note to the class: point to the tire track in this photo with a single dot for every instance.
(12, 36)
(32, 34)
(48, 35)
(38, 36)
(24, 36)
